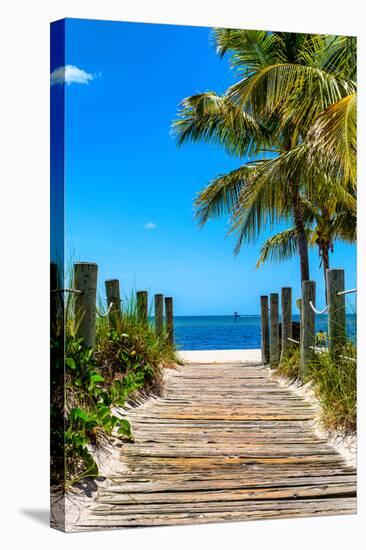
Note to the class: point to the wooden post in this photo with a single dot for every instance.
(142, 310)
(85, 280)
(299, 307)
(286, 317)
(169, 320)
(54, 300)
(53, 276)
(265, 330)
(159, 315)
(307, 328)
(336, 311)
(114, 298)
(274, 339)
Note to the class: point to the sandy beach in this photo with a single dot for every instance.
(221, 356)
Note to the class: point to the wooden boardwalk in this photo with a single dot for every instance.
(225, 443)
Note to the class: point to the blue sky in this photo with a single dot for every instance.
(130, 190)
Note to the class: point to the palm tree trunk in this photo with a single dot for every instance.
(302, 242)
(324, 253)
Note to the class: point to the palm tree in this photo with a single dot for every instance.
(289, 83)
(322, 225)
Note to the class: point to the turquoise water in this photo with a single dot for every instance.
(222, 332)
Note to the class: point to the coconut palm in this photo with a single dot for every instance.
(289, 83)
(323, 227)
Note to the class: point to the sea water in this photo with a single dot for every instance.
(224, 332)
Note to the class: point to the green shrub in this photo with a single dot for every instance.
(126, 360)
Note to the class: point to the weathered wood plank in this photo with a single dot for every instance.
(301, 508)
(224, 443)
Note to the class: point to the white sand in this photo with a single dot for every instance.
(221, 356)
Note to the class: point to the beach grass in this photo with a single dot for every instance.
(335, 385)
(334, 382)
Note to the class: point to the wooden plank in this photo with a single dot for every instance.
(232, 495)
(121, 485)
(287, 509)
(224, 443)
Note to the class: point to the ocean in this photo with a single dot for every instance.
(223, 332)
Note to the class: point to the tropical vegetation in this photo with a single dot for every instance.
(292, 117)
(89, 386)
(324, 224)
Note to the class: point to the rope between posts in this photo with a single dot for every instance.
(292, 340)
(320, 312)
(348, 358)
(322, 350)
(106, 313)
(346, 291)
(70, 290)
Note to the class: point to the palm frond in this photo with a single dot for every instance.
(316, 185)
(213, 118)
(332, 53)
(224, 195)
(249, 50)
(344, 227)
(263, 201)
(296, 93)
(280, 247)
(332, 140)
(221, 195)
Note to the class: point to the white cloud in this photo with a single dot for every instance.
(150, 225)
(70, 74)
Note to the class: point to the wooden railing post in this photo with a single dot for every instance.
(54, 300)
(159, 315)
(85, 280)
(114, 298)
(336, 311)
(274, 339)
(142, 307)
(169, 320)
(286, 325)
(307, 327)
(264, 330)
